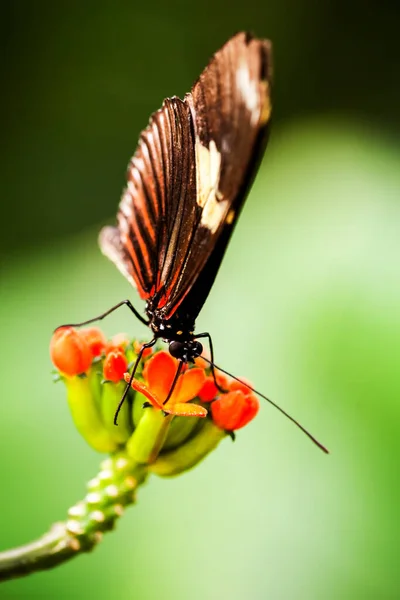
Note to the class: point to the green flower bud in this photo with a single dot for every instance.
(149, 436)
(180, 430)
(84, 410)
(110, 398)
(190, 453)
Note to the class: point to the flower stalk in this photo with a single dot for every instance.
(163, 429)
(108, 494)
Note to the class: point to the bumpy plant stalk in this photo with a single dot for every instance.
(108, 494)
(153, 436)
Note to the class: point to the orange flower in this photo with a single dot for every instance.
(115, 365)
(235, 409)
(200, 362)
(70, 352)
(209, 390)
(160, 373)
(243, 384)
(96, 339)
(137, 346)
(117, 342)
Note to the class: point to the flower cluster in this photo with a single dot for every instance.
(170, 428)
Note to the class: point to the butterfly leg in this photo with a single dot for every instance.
(108, 312)
(211, 362)
(135, 366)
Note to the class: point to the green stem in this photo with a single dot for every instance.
(149, 436)
(108, 494)
(53, 548)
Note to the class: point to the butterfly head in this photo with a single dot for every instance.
(186, 351)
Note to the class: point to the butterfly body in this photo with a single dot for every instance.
(178, 332)
(187, 182)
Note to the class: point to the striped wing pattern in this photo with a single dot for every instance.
(158, 209)
(190, 175)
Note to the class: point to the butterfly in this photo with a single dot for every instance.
(186, 185)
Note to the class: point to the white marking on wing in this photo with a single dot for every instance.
(208, 171)
(249, 91)
(213, 213)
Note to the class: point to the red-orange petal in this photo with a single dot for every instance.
(96, 340)
(222, 380)
(185, 410)
(209, 390)
(242, 385)
(203, 360)
(160, 373)
(188, 386)
(201, 363)
(115, 365)
(234, 410)
(140, 387)
(70, 352)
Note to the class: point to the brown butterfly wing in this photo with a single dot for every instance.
(231, 108)
(158, 209)
(189, 178)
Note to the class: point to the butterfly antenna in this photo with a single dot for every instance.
(308, 434)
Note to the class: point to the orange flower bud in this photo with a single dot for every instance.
(234, 410)
(118, 342)
(137, 346)
(70, 352)
(115, 365)
(96, 339)
(243, 384)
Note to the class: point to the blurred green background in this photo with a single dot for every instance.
(305, 305)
